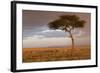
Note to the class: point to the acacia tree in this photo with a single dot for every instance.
(67, 23)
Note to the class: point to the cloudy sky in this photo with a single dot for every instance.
(36, 33)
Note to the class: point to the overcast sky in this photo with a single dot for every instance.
(37, 34)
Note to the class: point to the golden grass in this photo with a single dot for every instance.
(55, 54)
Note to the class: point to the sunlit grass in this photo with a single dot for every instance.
(55, 54)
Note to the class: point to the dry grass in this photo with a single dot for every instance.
(55, 54)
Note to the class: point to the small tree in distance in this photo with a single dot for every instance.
(67, 23)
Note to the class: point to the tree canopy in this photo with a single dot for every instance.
(67, 23)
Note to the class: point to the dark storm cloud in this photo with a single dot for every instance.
(34, 22)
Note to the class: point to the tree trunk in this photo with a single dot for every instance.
(72, 39)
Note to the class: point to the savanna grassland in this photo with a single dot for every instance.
(55, 54)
